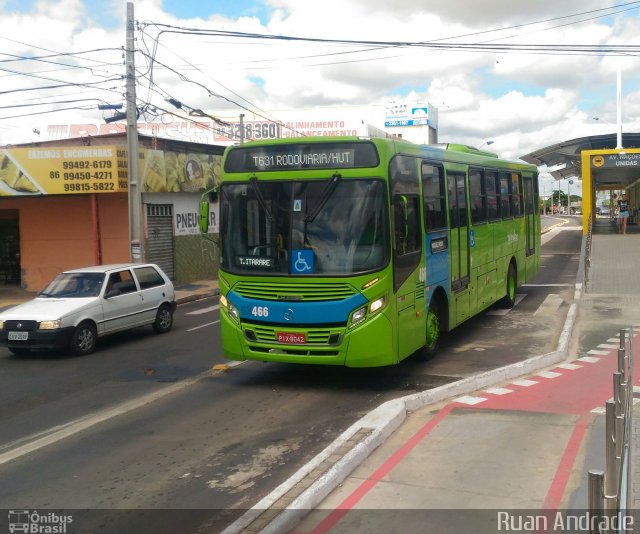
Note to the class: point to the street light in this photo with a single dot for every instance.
(488, 142)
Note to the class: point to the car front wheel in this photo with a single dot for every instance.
(84, 339)
(164, 319)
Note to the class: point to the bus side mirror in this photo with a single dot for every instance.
(204, 214)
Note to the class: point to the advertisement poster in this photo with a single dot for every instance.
(102, 169)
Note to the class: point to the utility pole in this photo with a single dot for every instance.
(136, 232)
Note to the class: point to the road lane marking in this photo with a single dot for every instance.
(524, 382)
(549, 374)
(550, 305)
(504, 311)
(202, 326)
(203, 310)
(60, 432)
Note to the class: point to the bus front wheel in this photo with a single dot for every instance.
(509, 300)
(434, 335)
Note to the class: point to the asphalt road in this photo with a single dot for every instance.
(147, 435)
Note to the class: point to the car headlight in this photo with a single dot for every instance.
(1, 325)
(231, 309)
(50, 325)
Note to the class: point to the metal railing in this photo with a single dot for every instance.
(587, 254)
(610, 490)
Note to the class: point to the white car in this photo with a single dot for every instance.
(81, 305)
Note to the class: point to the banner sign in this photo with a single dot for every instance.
(102, 169)
(611, 161)
(59, 171)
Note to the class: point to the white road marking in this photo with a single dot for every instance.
(608, 346)
(498, 391)
(548, 285)
(524, 382)
(48, 437)
(588, 359)
(467, 399)
(549, 374)
(599, 411)
(570, 366)
(598, 352)
(202, 326)
(203, 310)
(504, 311)
(550, 305)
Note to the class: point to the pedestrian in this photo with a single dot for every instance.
(623, 213)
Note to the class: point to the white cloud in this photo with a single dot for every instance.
(521, 101)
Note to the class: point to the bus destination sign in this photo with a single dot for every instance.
(301, 156)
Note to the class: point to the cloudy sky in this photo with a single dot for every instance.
(523, 75)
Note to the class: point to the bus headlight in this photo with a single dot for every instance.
(358, 316)
(376, 305)
(231, 309)
(50, 325)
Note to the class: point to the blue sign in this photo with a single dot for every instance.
(472, 238)
(302, 261)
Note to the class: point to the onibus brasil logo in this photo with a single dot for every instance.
(34, 522)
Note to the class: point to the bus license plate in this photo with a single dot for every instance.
(18, 336)
(291, 338)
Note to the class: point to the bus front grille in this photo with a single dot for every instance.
(269, 334)
(294, 292)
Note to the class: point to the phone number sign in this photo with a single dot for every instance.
(59, 171)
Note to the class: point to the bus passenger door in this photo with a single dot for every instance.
(533, 233)
(409, 283)
(459, 245)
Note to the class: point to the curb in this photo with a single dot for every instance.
(356, 443)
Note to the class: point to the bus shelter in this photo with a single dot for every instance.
(601, 166)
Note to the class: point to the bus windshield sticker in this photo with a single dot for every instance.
(302, 261)
(297, 204)
(254, 261)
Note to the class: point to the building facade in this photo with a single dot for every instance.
(65, 204)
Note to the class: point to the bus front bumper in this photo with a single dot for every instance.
(367, 345)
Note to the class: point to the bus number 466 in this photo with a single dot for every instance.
(260, 311)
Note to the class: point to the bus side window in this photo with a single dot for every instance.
(435, 207)
(406, 227)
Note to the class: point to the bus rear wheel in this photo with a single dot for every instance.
(509, 300)
(434, 335)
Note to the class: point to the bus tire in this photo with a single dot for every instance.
(509, 300)
(434, 332)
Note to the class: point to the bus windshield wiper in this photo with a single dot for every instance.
(326, 194)
(258, 192)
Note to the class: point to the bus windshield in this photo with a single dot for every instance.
(315, 227)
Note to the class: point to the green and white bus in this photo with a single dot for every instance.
(362, 252)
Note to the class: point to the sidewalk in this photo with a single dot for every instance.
(487, 453)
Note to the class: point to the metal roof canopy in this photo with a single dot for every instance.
(567, 153)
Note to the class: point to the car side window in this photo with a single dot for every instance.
(122, 281)
(148, 277)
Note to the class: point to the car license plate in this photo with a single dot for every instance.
(18, 336)
(291, 338)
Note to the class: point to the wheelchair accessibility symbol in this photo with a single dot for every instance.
(302, 261)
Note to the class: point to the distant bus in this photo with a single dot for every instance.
(362, 252)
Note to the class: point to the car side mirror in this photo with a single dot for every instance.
(112, 293)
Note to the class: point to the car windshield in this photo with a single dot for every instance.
(333, 226)
(74, 285)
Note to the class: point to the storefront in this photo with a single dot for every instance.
(64, 204)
